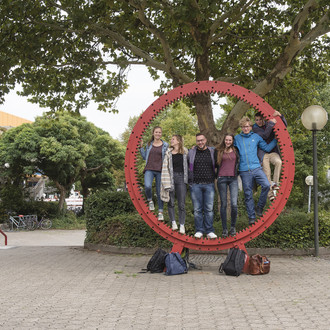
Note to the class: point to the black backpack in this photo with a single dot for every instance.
(157, 262)
(234, 262)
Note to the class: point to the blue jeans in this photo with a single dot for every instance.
(231, 182)
(202, 196)
(180, 191)
(148, 178)
(247, 181)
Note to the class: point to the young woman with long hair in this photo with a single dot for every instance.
(227, 171)
(154, 154)
(174, 180)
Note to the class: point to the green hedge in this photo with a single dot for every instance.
(40, 208)
(113, 220)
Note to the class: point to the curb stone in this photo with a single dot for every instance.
(323, 251)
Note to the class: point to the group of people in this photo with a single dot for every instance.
(248, 154)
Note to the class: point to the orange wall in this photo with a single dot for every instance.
(9, 120)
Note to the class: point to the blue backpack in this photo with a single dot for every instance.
(175, 265)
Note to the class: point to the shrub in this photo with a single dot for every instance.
(294, 229)
(40, 208)
(112, 219)
(69, 221)
(103, 204)
(126, 230)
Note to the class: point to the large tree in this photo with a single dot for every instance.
(61, 51)
(66, 148)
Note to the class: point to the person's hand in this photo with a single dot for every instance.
(276, 113)
(273, 120)
(141, 144)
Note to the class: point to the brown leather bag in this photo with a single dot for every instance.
(259, 265)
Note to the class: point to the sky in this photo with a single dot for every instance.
(136, 99)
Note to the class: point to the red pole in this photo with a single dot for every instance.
(4, 235)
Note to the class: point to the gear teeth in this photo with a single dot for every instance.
(190, 90)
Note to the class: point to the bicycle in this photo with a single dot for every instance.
(44, 223)
(20, 222)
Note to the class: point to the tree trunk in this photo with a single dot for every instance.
(63, 192)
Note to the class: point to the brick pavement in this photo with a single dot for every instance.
(72, 288)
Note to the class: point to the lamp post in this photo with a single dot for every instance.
(314, 118)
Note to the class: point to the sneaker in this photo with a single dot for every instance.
(151, 205)
(275, 186)
(199, 234)
(211, 235)
(182, 229)
(232, 231)
(252, 221)
(225, 233)
(272, 196)
(259, 211)
(160, 216)
(174, 225)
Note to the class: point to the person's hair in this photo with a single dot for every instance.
(245, 120)
(152, 136)
(180, 139)
(223, 147)
(259, 114)
(199, 134)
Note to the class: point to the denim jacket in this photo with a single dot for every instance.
(145, 152)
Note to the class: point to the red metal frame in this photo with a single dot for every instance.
(1, 232)
(204, 244)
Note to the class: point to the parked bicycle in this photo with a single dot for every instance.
(16, 222)
(44, 223)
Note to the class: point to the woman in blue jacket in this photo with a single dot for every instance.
(154, 154)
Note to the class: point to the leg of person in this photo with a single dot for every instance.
(170, 207)
(275, 159)
(262, 180)
(222, 188)
(148, 178)
(181, 191)
(160, 202)
(247, 182)
(233, 188)
(197, 200)
(266, 167)
(208, 198)
(267, 170)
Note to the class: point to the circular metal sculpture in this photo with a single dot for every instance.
(179, 240)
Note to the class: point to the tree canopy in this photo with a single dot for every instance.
(65, 148)
(62, 51)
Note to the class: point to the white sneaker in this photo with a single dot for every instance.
(160, 216)
(174, 225)
(151, 205)
(182, 230)
(211, 235)
(199, 234)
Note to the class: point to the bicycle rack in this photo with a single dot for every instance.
(204, 244)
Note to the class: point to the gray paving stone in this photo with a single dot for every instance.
(71, 288)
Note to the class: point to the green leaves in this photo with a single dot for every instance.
(66, 148)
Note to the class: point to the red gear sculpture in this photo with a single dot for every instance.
(179, 240)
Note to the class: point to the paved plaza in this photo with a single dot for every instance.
(69, 287)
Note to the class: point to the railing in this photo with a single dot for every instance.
(1, 232)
